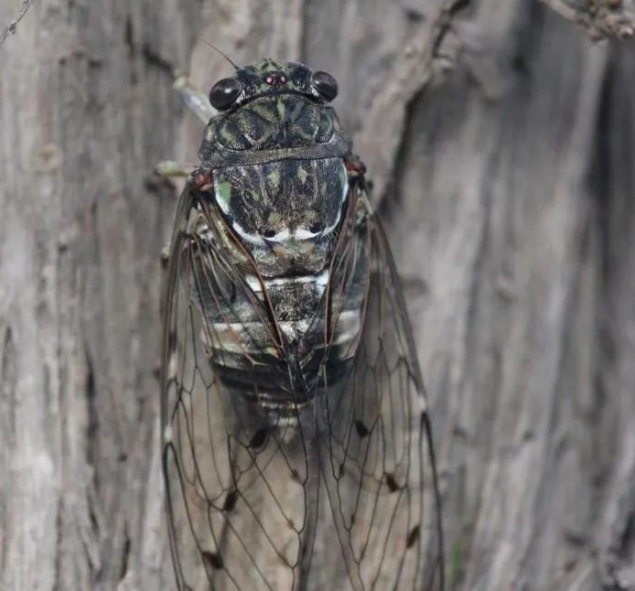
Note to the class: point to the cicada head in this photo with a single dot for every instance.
(271, 110)
(271, 77)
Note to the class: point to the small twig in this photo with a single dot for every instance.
(11, 27)
(581, 578)
(412, 72)
(601, 18)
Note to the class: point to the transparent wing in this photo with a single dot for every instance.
(244, 500)
(378, 463)
(241, 502)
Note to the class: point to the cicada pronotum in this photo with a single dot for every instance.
(297, 446)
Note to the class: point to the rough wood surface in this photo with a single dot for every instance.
(507, 186)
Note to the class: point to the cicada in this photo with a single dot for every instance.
(296, 440)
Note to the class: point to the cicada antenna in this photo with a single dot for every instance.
(220, 53)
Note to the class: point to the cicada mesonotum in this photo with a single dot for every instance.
(297, 447)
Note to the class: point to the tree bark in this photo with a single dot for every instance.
(506, 184)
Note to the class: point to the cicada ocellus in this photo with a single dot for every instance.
(297, 446)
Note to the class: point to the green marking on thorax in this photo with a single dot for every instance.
(226, 134)
(224, 191)
(263, 111)
(274, 178)
(281, 108)
(302, 174)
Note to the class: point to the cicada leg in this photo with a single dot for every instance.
(197, 179)
(195, 100)
(173, 169)
(169, 169)
(198, 103)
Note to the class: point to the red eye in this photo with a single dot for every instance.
(269, 80)
(283, 79)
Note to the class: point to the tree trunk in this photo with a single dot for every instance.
(506, 187)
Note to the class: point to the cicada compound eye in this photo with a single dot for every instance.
(324, 84)
(224, 93)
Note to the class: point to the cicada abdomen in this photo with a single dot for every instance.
(297, 446)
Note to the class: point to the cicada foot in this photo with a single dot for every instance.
(195, 100)
(199, 179)
(172, 169)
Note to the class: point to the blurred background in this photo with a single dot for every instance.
(500, 138)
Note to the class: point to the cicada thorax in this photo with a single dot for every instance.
(280, 125)
(273, 216)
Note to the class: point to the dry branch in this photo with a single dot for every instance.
(382, 133)
(601, 18)
(11, 27)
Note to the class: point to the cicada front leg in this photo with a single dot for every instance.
(172, 169)
(195, 100)
(197, 180)
(198, 103)
(169, 169)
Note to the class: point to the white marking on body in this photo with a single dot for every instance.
(281, 236)
(302, 234)
(323, 278)
(253, 282)
(285, 234)
(334, 225)
(319, 280)
(254, 239)
(349, 326)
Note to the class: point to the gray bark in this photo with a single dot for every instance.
(507, 189)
